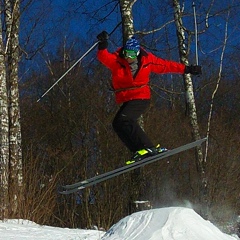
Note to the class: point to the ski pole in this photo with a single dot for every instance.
(88, 51)
(196, 31)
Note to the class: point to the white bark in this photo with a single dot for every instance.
(127, 18)
(12, 23)
(4, 133)
(191, 106)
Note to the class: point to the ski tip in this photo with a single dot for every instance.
(63, 192)
(60, 188)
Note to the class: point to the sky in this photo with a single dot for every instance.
(45, 25)
(173, 223)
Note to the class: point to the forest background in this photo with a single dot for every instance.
(67, 135)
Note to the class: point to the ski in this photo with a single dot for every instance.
(67, 189)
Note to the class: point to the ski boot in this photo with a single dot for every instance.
(141, 154)
(144, 153)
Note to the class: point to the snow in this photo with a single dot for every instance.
(27, 230)
(174, 223)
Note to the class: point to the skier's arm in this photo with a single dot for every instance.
(160, 65)
(103, 55)
(106, 58)
(165, 66)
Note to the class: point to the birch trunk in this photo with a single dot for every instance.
(137, 182)
(127, 18)
(191, 106)
(4, 132)
(15, 153)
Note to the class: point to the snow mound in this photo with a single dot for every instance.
(174, 223)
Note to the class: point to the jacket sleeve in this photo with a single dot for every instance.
(160, 65)
(106, 58)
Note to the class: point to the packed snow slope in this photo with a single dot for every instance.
(18, 229)
(158, 224)
(174, 223)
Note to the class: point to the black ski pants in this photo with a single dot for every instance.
(126, 125)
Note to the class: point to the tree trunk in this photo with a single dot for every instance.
(137, 176)
(4, 133)
(191, 106)
(127, 19)
(15, 151)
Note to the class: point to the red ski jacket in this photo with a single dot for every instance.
(126, 86)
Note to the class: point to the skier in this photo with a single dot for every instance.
(131, 66)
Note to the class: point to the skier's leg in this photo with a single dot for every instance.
(127, 127)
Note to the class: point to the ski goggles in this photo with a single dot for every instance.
(130, 54)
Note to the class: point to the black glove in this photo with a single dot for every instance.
(103, 40)
(193, 69)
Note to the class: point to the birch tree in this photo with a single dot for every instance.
(12, 49)
(137, 186)
(127, 18)
(10, 117)
(190, 100)
(4, 131)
